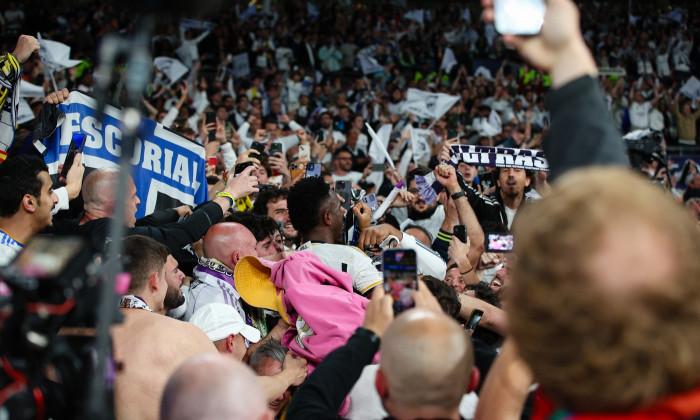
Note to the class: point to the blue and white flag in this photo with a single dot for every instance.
(167, 168)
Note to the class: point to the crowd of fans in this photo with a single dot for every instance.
(281, 274)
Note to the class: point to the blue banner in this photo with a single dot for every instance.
(168, 169)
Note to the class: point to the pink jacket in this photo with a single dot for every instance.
(323, 309)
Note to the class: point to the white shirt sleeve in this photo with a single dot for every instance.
(429, 262)
(229, 156)
(170, 116)
(63, 202)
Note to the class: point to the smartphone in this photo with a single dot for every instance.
(258, 146)
(498, 242)
(211, 118)
(400, 276)
(452, 134)
(304, 152)
(297, 168)
(460, 232)
(519, 17)
(241, 167)
(276, 148)
(371, 201)
(474, 319)
(343, 189)
(313, 170)
(76, 146)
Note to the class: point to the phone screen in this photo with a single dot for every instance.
(46, 257)
(474, 319)
(313, 170)
(343, 189)
(519, 17)
(499, 242)
(400, 276)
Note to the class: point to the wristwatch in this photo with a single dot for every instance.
(370, 335)
(458, 194)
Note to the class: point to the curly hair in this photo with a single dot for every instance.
(606, 323)
(305, 200)
(266, 195)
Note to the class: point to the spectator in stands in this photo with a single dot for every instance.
(272, 202)
(138, 340)
(214, 386)
(225, 328)
(686, 121)
(29, 201)
(268, 360)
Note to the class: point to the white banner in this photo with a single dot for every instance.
(419, 144)
(55, 54)
(691, 88)
(427, 104)
(241, 66)
(29, 90)
(369, 65)
(448, 60)
(172, 68)
(416, 15)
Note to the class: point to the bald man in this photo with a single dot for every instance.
(427, 364)
(214, 387)
(99, 196)
(223, 246)
(149, 346)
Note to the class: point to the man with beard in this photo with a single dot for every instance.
(429, 217)
(174, 298)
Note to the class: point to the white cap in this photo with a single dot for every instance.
(219, 320)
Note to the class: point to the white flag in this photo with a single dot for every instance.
(380, 141)
(691, 88)
(172, 68)
(448, 60)
(241, 66)
(369, 65)
(55, 54)
(417, 15)
(29, 90)
(428, 104)
(24, 113)
(483, 71)
(419, 144)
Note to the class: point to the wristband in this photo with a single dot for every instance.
(228, 196)
(468, 271)
(458, 194)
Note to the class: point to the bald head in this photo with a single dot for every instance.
(99, 189)
(211, 387)
(228, 243)
(427, 362)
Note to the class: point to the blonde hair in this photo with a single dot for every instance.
(598, 346)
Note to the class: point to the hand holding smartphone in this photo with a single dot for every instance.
(343, 189)
(400, 276)
(460, 232)
(76, 146)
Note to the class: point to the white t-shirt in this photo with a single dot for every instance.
(348, 259)
(431, 224)
(639, 115)
(352, 176)
(510, 214)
